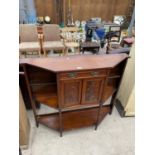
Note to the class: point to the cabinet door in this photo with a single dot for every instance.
(70, 92)
(91, 92)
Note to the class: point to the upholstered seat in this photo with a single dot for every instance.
(55, 45)
(29, 46)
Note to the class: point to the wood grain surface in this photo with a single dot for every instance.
(73, 63)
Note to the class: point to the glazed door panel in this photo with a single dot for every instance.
(92, 90)
(70, 92)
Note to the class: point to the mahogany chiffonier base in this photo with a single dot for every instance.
(76, 86)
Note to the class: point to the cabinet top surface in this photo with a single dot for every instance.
(76, 62)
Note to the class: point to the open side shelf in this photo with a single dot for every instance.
(46, 94)
(74, 119)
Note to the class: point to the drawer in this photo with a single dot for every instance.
(83, 74)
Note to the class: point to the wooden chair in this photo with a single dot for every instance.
(29, 39)
(51, 39)
(115, 48)
(71, 42)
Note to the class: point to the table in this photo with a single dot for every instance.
(90, 46)
(76, 86)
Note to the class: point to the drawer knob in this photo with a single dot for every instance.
(94, 73)
(72, 75)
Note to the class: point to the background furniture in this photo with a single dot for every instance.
(114, 48)
(126, 101)
(77, 86)
(29, 39)
(128, 41)
(64, 29)
(69, 29)
(70, 41)
(119, 50)
(51, 38)
(24, 125)
(70, 45)
(89, 46)
(117, 30)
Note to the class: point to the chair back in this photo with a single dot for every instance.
(51, 32)
(28, 33)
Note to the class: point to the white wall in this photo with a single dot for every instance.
(126, 92)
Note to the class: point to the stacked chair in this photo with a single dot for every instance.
(51, 39)
(29, 39)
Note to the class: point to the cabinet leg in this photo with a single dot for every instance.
(33, 104)
(37, 124)
(60, 122)
(98, 115)
(112, 103)
(60, 133)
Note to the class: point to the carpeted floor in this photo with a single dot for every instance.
(115, 136)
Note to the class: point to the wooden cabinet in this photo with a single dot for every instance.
(81, 87)
(76, 86)
(80, 91)
(70, 92)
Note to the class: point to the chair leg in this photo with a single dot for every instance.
(25, 54)
(78, 50)
(20, 54)
(66, 51)
(45, 54)
(63, 52)
(39, 53)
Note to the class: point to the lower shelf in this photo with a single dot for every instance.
(74, 119)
